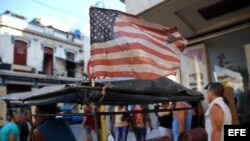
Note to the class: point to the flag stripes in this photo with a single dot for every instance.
(124, 45)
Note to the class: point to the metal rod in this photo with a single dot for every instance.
(115, 113)
(32, 125)
(97, 119)
(220, 33)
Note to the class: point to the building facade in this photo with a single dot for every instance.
(36, 54)
(219, 43)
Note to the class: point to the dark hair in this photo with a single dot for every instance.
(194, 103)
(217, 88)
(9, 115)
(246, 121)
(51, 109)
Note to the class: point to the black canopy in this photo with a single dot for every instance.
(129, 91)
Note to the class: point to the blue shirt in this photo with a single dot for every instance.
(56, 129)
(188, 122)
(9, 129)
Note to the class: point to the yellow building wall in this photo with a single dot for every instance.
(232, 105)
(3, 91)
(33, 108)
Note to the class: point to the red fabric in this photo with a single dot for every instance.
(124, 45)
(89, 118)
(139, 117)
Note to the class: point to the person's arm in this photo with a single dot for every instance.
(112, 120)
(180, 117)
(84, 120)
(37, 135)
(14, 132)
(12, 137)
(86, 111)
(163, 113)
(216, 114)
(149, 121)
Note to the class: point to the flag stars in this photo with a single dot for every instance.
(103, 22)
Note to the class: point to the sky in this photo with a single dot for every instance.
(74, 13)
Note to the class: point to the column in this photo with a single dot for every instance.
(3, 107)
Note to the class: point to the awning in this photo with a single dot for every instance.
(131, 91)
(72, 61)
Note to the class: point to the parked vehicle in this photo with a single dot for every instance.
(72, 119)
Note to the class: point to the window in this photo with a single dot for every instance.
(70, 64)
(70, 56)
(20, 52)
(48, 61)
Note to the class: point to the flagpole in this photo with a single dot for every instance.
(103, 123)
(96, 113)
(198, 74)
(101, 136)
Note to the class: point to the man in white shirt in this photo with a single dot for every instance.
(218, 113)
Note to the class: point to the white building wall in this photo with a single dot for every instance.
(78, 41)
(15, 29)
(6, 49)
(78, 56)
(79, 71)
(35, 55)
(137, 6)
(60, 52)
(86, 45)
(60, 35)
(59, 63)
(60, 67)
(13, 22)
(35, 28)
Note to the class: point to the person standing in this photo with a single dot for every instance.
(165, 119)
(88, 122)
(10, 131)
(182, 119)
(198, 119)
(24, 130)
(218, 113)
(27, 117)
(120, 125)
(140, 122)
(50, 128)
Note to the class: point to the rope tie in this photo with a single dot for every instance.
(104, 91)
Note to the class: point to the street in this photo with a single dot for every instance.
(79, 132)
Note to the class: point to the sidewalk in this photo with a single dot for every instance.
(152, 134)
(79, 133)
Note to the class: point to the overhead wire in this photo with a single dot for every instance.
(59, 10)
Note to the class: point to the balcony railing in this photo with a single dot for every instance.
(68, 73)
(72, 73)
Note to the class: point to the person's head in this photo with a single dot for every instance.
(121, 106)
(17, 115)
(45, 109)
(214, 90)
(27, 115)
(58, 110)
(87, 105)
(246, 121)
(166, 104)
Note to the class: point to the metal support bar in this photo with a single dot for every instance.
(115, 113)
(97, 119)
(32, 125)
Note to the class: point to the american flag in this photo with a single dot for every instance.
(125, 45)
